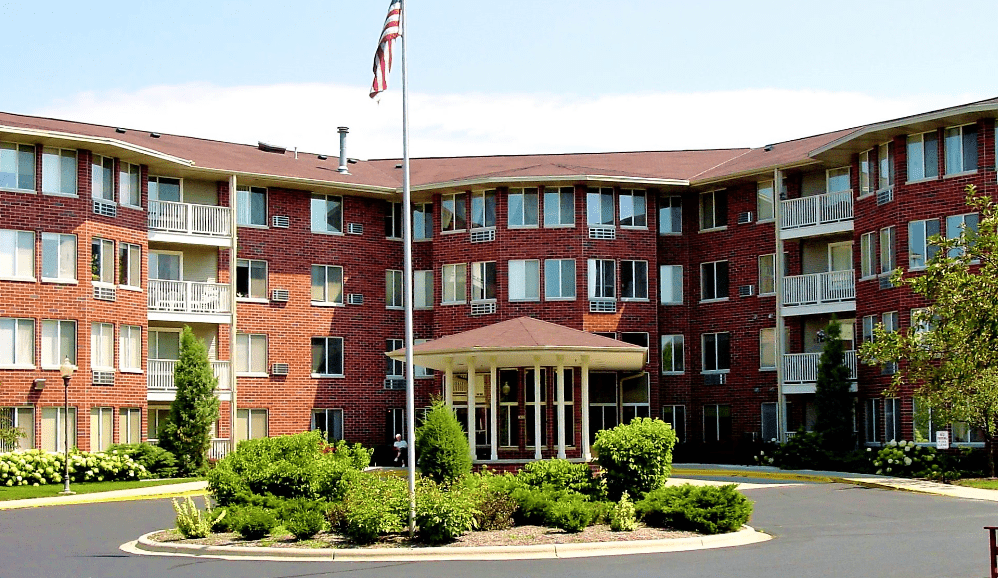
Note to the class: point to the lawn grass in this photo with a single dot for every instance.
(48, 490)
(982, 483)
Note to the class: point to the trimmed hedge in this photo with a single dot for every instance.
(704, 509)
(635, 457)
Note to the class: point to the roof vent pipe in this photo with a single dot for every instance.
(343, 149)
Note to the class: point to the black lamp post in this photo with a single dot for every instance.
(66, 370)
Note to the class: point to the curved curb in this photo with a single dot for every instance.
(146, 546)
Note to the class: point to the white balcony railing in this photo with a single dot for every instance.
(817, 288)
(816, 210)
(188, 296)
(190, 219)
(219, 448)
(803, 367)
(160, 374)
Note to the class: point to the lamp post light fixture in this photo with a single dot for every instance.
(66, 370)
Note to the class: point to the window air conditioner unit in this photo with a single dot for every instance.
(715, 378)
(603, 306)
(279, 369)
(105, 293)
(745, 218)
(105, 208)
(483, 236)
(355, 298)
(355, 228)
(605, 233)
(280, 295)
(746, 290)
(281, 221)
(103, 378)
(394, 383)
(487, 308)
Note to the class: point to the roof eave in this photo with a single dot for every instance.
(492, 181)
(112, 142)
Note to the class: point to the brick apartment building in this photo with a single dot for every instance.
(288, 265)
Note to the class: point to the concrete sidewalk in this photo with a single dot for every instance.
(147, 493)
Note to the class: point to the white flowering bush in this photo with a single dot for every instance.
(907, 460)
(37, 468)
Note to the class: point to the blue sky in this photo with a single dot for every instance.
(511, 77)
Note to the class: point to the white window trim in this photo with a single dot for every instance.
(266, 270)
(772, 199)
(470, 208)
(121, 348)
(759, 264)
(483, 266)
(921, 136)
(443, 284)
(428, 274)
(873, 253)
(613, 209)
(94, 164)
(453, 197)
(342, 357)
(973, 171)
(893, 254)
(62, 280)
(594, 266)
(76, 342)
(869, 176)
(401, 305)
(925, 245)
(661, 283)
(34, 257)
(341, 302)
(156, 178)
(421, 208)
(828, 178)
(890, 167)
(121, 200)
(266, 206)
(644, 299)
(678, 233)
(715, 299)
(700, 211)
(703, 354)
(326, 198)
(34, 336)
(670, 336)
(249, 361)
(541, 201)
(128, 247)
(522, 192)
(762, 367)
(17, 150)
(575, 279)
(93, 350)
(509, 281)
(74, 195)
(631, 193)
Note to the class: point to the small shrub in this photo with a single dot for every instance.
(157, 461)
(622, 517)
(305, 523)
(533, 504)
(704, 509)
(353, 456)
(560, 474)
(254, 523)
(908, 460)
(443, 515)
(375, 506)
(192, 522)
(635, 457)
(493, 500)
(336, 516)
(572, 513)
(442, 446)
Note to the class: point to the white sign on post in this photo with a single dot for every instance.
(942, 440)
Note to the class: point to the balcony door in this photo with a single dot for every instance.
(840, 256)
(164, 344)
(166, 266)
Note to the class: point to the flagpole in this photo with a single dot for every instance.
(410, 407)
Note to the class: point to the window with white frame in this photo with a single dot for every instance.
(767, 274)
(17, 167)
(483, 281)
(522, 207)
(599, 207)
(957, 224)
(633, 209)
(420, 371)
(327, 213)
(670, 282)
(559, 279)
(716, 423)
(327, 284)
(568, 400)
(923, 156)
(885, 166)
(559, 206)
(453, 212)
(329, 422)
(530, 408)
(837, 180)
(509, 426)
(920, 251)
(129, 184)
(767, 348)
(869, 323)
(393, 220)
(130, 348)
(102, 260)
(393, 289)
(922, 427)
(22, 418)
(101, 428)
(673, 355)
(765, 201)
(129, 265)
(58, 342)
(864, 172)
(157, 418)
(166, 189)
(327, 356)
(17, 343)
(251, 206)
(603, 399)
(961, 149)
(714, 281)
(251, 424)
(868, 254)
(102, 346)
(17, 255)
(394, 368)
(483, 209)
(422, 282)
(454, 280)
(963, 433)
(634, 280)
(713, 210)
(58, 257)
(716, 349)
(422, 222)
(55, 428)
(102, 178)
(602, 279)
(634, 398)
(892, 419)
(670, 215)
(871, 416)
(890, 321)
(251, 279)
(524, 280)
(164, 343)
(58, 171)
(769, 421)
(675, 416)
(251, 354)
(888, 250)
(129, 425)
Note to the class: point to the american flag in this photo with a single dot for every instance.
(383, 57)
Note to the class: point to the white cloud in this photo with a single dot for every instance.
(306, 116)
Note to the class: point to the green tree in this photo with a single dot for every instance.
(949, 354)
(442, 445)
(187, 432)
(832, 399)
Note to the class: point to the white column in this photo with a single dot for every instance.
(538, 408)
(494, 410)
(233, 260)
(471, 406)
(781, 398)
(560, 400)
(585, 409)
(449, 383)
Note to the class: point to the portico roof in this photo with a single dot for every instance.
(524, 342)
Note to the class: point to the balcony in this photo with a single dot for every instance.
(172, 222)
(219, 448)
(189, 301)
(800, 371)
(160, 375)
(816, 215)
(817, 293)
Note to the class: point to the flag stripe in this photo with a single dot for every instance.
(383, 56)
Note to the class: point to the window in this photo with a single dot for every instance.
(634, 280)
(102, 175)
(58, 343)
(251, 206)
(327, 284)
(716, 352)
(890, 320)
(165, 189)
(955, 225)
(559, 206)
(559, 279)
(58, 257)
(864, 172)
(327, 213)
(524, 280)
(164, 344)
(394, 368)
(17, 343)
(393, 289)
(869, 323)
(327, 356)
(509, 426)
(422, 222)
(129, 185)
(602, 282)
(483, 281)
(17, 166)
(102, 260)
(922, 427)
(421, 371)
(453, 212)
(769, 421)
(767, 348)
(251, 279)
(670, 216)
(530, 408)
(716, 423)
(22, 418)
(920, 251)
(568, 402)
(393, 220)
(251, 424)
(888, 250)
(102, 346)
(251, 354)
(17, 255)
(423, 289)
(522, 210)
(837, 180)
(130, 348)
(870, 417)
(599, 207)
(101, 428)
(329, 422)
(129, 425)
(675, 416)
(964, 434)
(892, 419)
(58, 171)
(765, 201)
(454, 279)
(670, 281)
(885, 168)
(714, 281)
(868, 254)
(157, 419)
(634, 398)
(602, 402)
(767, 274)
(633, 211)
(129, 265)
(483, 209)
(55, 428)
(713, 210)
(923, 156)
(961, 149)
(672, 354)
